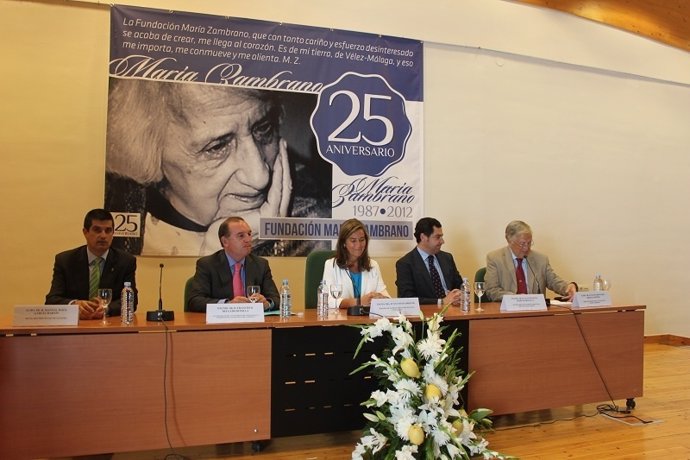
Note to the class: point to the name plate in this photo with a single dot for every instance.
(523, 302)
(224, 313)
(592, 299)
(408, 306)
(45, 315)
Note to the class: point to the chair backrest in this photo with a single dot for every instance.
(313, 273)
(479, 276)
(187, 288)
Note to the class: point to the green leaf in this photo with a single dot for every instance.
(363, 366)
(429, 450)
(370, 417)
(479, 414)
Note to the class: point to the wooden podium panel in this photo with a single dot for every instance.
(541, 362)
(76, 394)
(100, 388)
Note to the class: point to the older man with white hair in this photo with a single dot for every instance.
(517, 269)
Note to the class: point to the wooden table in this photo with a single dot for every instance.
(111, 388)
(558, 358)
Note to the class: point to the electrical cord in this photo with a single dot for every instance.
(609, 410)
(604, 409)
(594, 362)
(172, 455)
(548, 422)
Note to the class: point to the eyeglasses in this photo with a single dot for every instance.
(524, 244)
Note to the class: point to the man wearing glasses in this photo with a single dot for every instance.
(517, 269)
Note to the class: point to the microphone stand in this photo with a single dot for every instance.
(160, 314)
(536, 280)
(358, 309)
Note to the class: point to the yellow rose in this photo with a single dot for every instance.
(416, 435)
(432, 391)
(409, 367)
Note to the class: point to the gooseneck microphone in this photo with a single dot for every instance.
(536, 280)
(160, 314)
(534, 276)
(160, 288)
(358, 309)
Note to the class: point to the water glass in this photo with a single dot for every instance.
(253, 292)
(105, 296)
(336, 292)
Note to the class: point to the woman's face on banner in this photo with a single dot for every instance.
(219, 152)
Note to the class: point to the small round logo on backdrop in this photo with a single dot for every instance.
(360, 124)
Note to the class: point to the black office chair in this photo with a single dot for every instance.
(479, 276)
(313, 274)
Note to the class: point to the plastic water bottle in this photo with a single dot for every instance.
(285, 300)
(322, 299)
(466, 294)
(127, 304)
(598, 283)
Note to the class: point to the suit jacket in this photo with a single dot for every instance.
(71, 277)
(413, 278)
(372, 281)
(212, 280)
(500, 275)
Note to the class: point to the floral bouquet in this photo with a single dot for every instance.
(416, 413)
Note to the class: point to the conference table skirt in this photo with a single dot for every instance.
(219, 383)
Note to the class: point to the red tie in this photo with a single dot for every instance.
(237, 285)
(520, 276)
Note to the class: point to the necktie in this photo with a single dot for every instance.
(237, 285)
(94, 277)
(520, 276)
(435, 279)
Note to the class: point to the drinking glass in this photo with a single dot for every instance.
(104, 298)
(479, 292)
(336, 292)
(253, 292)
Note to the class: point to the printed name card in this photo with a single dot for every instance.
(222, 313)
(523, 302)
(408, 306)
(592, 299)
(45, 315)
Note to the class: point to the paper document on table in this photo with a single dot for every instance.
(561, 303)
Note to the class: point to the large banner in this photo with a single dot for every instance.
(294, 128)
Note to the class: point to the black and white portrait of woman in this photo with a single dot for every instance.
(185, 156)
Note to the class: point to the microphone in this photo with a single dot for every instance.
(160, 314)
(534, 276)
(358, 310)
(536, 280)
(160, 288)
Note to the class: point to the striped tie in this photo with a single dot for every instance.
(95, 277)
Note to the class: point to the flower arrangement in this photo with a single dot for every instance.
(416, 413)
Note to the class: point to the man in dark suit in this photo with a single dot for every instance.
(427, 272)
(72, 271)
(220, 276)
